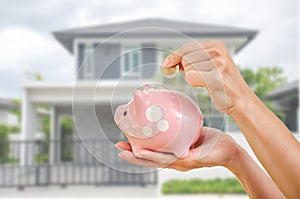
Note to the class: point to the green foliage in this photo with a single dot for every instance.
(17, 112)
(4, 132)
(264, 79)
(46, 126)
(16, 102)
(66, 127)
(14, 160)
(193, 186)
(270, 106)
(4, 144)
(41, 158)
(15, 129)
(38, 76)
(66, 136)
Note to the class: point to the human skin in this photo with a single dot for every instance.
(208, 64)
(225, 152)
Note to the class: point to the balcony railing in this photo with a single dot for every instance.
(30, 163)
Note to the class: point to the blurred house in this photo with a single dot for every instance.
(286, 100)
(6, 117)
(123, 55)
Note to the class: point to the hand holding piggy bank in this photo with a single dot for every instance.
(160, 120)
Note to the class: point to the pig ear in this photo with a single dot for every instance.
(138, 99)
(147, 87)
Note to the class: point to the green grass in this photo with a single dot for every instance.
(193, 186)
(41, 158)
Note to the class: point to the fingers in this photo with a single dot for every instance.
(129, 156)
(157, 157)
(171, 60)
(197, 54)
(206, 79)
(194, 57)
(206, 134)
(210, 137)
(175, 58)
(145, 157)
(196, 78)
(200, 66)
(194, 46)
(209, 143)
(181, 67)
(123, 146)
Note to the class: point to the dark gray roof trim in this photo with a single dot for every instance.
(66, 37)
(8, 104)
(287, 89)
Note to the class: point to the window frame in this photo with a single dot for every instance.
(129, 49)
(88, 54)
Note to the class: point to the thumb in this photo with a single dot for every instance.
(172, 60)
(211, 138)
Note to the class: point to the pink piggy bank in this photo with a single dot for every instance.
(160, 120)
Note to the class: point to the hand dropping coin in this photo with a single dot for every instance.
(170, 72)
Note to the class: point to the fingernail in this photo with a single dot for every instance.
(138, 155)
(120, 154)
(165, 62)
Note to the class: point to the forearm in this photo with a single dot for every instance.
(254, 180)
(272, 142)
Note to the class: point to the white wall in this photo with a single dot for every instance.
(12, 120)
(3, 116)
(7, 118)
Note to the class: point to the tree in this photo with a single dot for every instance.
(38, 76)
(67, 146)
(17, 111)
(4, 143)
(264, 80)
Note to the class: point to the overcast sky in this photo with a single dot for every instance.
(26, 43)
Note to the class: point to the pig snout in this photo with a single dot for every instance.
(120, 113)
(117, 115)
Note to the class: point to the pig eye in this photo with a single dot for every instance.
(125, 113)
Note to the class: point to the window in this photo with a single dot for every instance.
(88, 61)
(131, 61)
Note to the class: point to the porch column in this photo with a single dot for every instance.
(29, 125)
(54, 136)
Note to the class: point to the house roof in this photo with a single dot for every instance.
(288, 89)
(66, 37)
(8, 104)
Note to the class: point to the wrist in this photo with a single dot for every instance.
(243, 100)
(250, 175)
(234, 155)
(239, 162)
